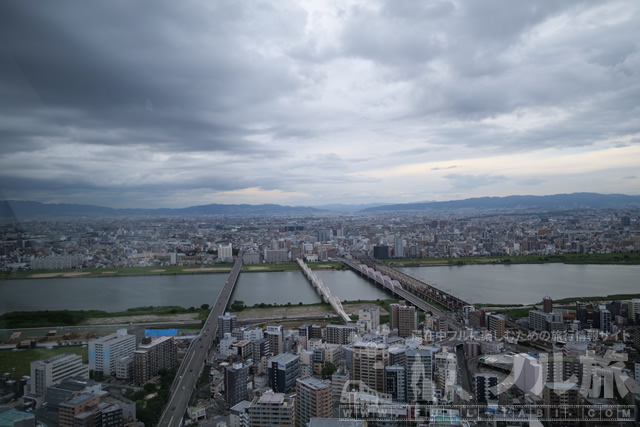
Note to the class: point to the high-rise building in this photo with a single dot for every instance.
(283, 370)
(272, 409)
(260, 348)
(398, 246)
(447, 374)
(419, 372)
(235, 383)
(368, 363)
(497, 324)
(634, 311)
(547, 304)
(275, 335)
(313, 400)
(86, 404)
(225, 252)
(45, 373)
(340, 334)
(581, 312)
(338, 381)
(106, 351)
(381, 252)
(152, 356)
(604, 318)
(477, 319)
(528, 374)
(561, 395)
(484, 385)
(395, 383)
(226, 324)
(369, 316)
(407, 320)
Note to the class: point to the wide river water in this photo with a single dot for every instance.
(500, 284)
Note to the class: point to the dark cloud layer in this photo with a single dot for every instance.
(284, 101)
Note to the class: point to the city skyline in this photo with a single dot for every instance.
(306, 104)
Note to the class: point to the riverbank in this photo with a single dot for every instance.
(631, 258)
(165, 270)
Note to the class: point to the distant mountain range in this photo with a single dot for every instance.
(23, 209)
(573, 200)
(28, 209)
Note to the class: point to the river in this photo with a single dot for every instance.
(500, 284)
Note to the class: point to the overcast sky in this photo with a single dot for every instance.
(179, 103)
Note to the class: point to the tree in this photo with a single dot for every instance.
(237, 305)
(204, 307)
(328, 370)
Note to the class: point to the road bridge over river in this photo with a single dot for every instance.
(186, 379)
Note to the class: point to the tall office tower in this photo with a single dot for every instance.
(497, 325)
(561, 395)
(340, 334)
(477, 319)
(226, 324)
(419, 372)
(605, 318)
(313, 400)
(235, 383)
(152, 356)
(338, 381)
(397, 354)
(447, 373)
(272, 409)
(225, 252)
(370, 316)
(260, 348)
(484, 388)
(369, 361)
(581, 312)
(283, 370)
(395, 383)
(393, 315)
(547, 304)
(305, 331)
(276, 339)
(381, 252)
(49, 371)
(407, 320)
(528, 374)
(324, 235)
(398, 246)
(634, 311)
(106, 351)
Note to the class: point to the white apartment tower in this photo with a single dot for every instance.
(106, 351)
(50, 371)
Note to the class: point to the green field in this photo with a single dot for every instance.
(18, 363)
(632, 258)
(40, 319)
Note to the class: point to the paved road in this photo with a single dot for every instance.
(185, 382)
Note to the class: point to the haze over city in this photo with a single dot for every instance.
(173, 104)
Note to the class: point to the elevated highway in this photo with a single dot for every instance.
(184, 383)
(324, 292)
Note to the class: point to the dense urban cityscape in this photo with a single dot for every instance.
(421, 356)
(318, 213)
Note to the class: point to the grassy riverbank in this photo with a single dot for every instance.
(53, 318)
(632, 258)
(166, 270)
